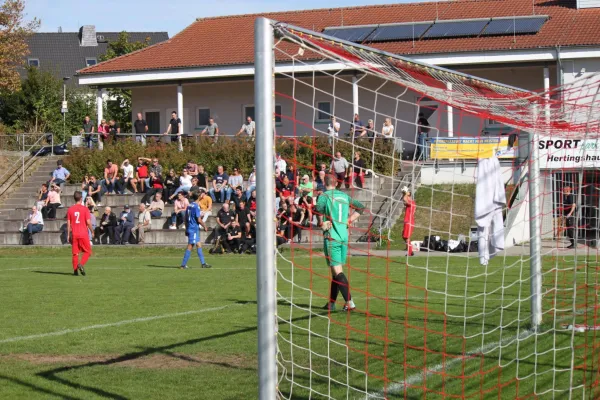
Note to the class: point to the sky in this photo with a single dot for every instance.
(160, 15)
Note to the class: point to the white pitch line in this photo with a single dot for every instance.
(113, 324)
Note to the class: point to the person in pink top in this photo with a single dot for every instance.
(103, 130)
(52, 203)
(181, 204)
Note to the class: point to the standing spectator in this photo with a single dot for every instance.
(306, 186)
(141, 174)
(248, 128)
(318, 169)
(143, 224)
(156, 186)
(94, 190)
(34, 223)
(296, 217)
(171, 184)
(333, 130)
(181, 204)
(357, 128)
(85, 183)
(238, 197)
(60, 175)
(140, 126)
(243, 217)
(220, 185)
(103, 134)
(280, 164)
(236, 179)
(124, 227)
(224, 218)
(388, 129)
(205, 202)
(157, 206)
(251, 184)
(212, 130)
(175, 129)
(42, 196)
(358, 172)
(422, 134)
(185, 184)
(233, 238)
(127, 178)
(339, 167)
(106, 227)
(202, 178)
(114, 130)
(192, 168)
(87, 130)
(369, 130)
(111, 176)
(52, 203)
(569, 208)
(91, 206)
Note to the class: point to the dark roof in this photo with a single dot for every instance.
(196, 45)
(61, 53)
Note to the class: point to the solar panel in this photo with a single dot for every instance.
(456, 29)
(351, 34)
(399, 32)
(509, 26)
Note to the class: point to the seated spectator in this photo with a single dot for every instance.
(33, 224)
(358, 170)
(212, 130)
(333, 130)
(238, 196)
(106, 227)
(111, 175)
(124, 227)
(185, 184)
(157, 206)
(202, 178)
(252, 204)
(85, 183)
(388, 129)
(339, 167)
(292, 175)
(128, 178)
(248, 243)
(224, 218)
(156, 186)
(220, 186)
(285, 191)
(52, 203)
(318, 169)
(305, 187)
(243, 216)
(319, 184)
(178, 214)
(233, 238)
(192, 169)
(171, 184)
(205, 205)
(251, 184)
(42, 196)
(94, 190)
(195, 188)
(141, 174)
(60, 175)
(280, 164)
(236, 179)
(306, 202)
(143, 224)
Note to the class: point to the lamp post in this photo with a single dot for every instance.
(64, 108)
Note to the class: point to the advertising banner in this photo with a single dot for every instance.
(559, 153)
(472, 148)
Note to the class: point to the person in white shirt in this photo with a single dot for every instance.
(388, 129)
(280, 164)
(35, 224)
(236, 179)
(185, 183)
(127, 178)
(249, 128)
(251, 185)
(333, 129)
(143, 225)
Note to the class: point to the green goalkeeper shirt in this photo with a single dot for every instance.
(334, 206)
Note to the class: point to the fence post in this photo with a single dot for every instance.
(23, 161)
(535, 244)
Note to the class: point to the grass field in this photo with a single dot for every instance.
(138, 328)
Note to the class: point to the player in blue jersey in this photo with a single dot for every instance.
(193, 222)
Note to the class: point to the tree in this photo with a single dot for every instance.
(119, 107)
(14, 32)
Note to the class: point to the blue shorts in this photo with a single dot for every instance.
(193, 236)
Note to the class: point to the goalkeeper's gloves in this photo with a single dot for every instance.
(326, 226)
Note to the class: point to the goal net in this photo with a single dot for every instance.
(500, 298)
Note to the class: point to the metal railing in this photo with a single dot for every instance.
(24, 144)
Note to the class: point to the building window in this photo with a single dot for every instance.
(153, 121)
(33, 62)
(203, 116)
(323, 111)
(249, 112)
(90, 61)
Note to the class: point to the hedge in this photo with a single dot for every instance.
(305, 153)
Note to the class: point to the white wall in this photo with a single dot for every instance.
(454, 173)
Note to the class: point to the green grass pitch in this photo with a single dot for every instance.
(136, 327)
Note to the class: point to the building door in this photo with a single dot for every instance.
(153, 120)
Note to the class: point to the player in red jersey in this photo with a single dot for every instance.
(409, 219)
(79, 222)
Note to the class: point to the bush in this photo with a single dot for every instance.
(305, 153)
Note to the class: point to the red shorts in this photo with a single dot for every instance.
(81, 245)
(409, 227)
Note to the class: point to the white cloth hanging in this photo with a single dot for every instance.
(490, 199)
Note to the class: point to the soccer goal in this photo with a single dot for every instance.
(500, 299)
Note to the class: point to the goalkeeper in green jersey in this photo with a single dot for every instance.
(334, 207)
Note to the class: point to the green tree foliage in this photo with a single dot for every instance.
(119, 107)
